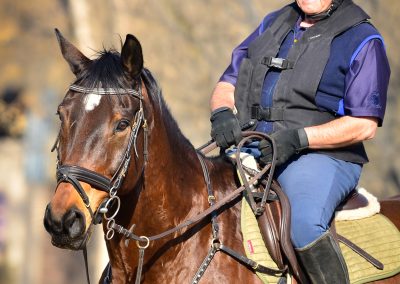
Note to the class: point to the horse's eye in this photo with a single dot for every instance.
(122, 125)
(60, 116)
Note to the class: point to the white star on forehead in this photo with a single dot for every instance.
(92, 101)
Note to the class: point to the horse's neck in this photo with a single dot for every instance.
(172, 190)
(173, 186)
(173, 175)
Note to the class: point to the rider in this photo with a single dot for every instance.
(314, 75)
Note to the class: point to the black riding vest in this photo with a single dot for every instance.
(294, 96)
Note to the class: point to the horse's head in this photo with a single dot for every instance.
(102, 127)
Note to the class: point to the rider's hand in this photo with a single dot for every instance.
(225, 128)
(288, 142)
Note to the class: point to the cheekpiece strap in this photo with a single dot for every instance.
(105, 91)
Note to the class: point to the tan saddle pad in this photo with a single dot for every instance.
(375, 234)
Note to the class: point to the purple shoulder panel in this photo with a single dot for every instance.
(367, 81)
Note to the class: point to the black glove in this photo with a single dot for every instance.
(225, 128)
(287, 142)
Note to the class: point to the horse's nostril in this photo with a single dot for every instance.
(74, 223)
(47, 219)
(51, 225)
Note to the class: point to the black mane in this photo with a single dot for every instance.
(170, 123)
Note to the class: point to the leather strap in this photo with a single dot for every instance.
(85, 258)
(360, 252)
(270, 233)
(96, 180)
(251, 263)
(214, 206)
(210, 193)
(354, 247)
(228, 198)
(258, 209)
(188, 222)
(286, 243)
(206, 262)
(140, 266)
(105, 91)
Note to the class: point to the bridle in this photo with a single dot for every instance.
(74, 174)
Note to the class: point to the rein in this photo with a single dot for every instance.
(144, 241)
(208, 211)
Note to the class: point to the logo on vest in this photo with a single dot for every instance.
(314, 37)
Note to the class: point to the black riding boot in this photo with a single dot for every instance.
(323, 261)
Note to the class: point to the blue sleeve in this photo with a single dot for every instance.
(367, 81)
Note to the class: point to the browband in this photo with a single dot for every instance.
(105, 91)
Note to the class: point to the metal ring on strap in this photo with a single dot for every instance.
(115, 197)
(146, 239)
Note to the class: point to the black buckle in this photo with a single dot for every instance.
(258, 113)
(276, 62)
(267, 113)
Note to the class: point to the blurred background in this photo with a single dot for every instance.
(186, 44)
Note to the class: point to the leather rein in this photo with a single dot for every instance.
(143, 242)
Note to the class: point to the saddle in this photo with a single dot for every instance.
(275, 229)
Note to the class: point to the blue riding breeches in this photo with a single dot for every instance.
(315, 185)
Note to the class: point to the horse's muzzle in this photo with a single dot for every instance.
(68, 231)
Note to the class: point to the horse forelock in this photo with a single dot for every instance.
(105, 71)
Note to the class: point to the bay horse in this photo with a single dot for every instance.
(123, 161)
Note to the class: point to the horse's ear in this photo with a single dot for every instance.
(76, 60)
(132, 56)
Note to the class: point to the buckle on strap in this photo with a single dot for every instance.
(276, 62)
(268, 114)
